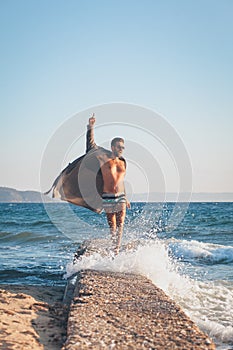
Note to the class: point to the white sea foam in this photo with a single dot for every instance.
(209, 304)
(209, 252)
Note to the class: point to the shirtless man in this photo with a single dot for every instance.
(113, 169)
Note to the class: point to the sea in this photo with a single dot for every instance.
(187, 250)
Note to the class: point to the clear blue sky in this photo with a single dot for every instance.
(60, 57)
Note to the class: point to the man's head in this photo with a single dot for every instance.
(117, 146)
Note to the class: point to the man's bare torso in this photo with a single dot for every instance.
(113, 172)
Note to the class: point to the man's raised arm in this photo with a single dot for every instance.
(90, 142)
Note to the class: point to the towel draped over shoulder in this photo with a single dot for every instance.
(81, 182)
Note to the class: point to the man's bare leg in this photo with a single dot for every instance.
(111, 217)
(116, 225)
(120, 219)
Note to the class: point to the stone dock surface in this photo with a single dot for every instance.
(111, 310)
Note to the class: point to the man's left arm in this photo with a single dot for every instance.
(127, 202)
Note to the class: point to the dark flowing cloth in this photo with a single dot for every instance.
(81, 182)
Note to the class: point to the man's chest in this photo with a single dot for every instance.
(113, 165)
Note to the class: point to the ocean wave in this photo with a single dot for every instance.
(204, 252)
(208, 303)
(40, 222)
(21, 221)
(32, 276)
(25, 237)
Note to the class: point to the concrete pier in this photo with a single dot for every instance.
(126, 311)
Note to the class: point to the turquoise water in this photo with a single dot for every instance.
(192, 262)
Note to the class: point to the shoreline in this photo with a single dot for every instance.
(96, 310)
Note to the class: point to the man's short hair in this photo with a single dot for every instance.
(115, 140)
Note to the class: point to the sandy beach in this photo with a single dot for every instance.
(32, 317)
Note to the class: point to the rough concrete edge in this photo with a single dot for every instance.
(75, 283)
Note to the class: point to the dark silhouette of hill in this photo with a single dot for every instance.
(9, 195)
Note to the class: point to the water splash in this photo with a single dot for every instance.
(208, 304)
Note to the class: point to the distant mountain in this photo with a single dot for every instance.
(10, 195)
